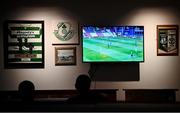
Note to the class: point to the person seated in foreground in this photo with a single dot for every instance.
(85, 95)
(26, 90)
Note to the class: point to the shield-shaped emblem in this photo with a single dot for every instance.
(64, 32)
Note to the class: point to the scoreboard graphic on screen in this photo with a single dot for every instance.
(24, 44)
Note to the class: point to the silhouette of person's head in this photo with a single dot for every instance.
(85, 96)
(26, 90)
(83, 83)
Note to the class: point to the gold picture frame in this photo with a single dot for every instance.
(167, 40)
(65, 56)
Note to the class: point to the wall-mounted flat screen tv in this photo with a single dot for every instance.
(112, 43)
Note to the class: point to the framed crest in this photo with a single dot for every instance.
(167, 40)
(23, 44)
(65, 33)
(65, 56)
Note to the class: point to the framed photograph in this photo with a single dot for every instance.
(23, 44)
(167, 40)
(65, 33)
(65, 55)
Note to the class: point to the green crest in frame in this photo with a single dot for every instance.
(65, 31)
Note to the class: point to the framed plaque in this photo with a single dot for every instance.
(65, 56)
(23, 44)
(65, 33)
(167, 40)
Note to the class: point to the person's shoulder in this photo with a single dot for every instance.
(79, 99)
(73, 99)
(98, 97)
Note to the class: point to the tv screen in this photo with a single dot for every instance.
(112, 43)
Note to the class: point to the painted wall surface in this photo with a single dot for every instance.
(156, 72)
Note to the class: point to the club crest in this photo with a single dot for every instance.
(65, 31)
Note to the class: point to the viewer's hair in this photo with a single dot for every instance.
(26, 89)
(83, 82)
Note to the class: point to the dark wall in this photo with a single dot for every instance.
(93, 11)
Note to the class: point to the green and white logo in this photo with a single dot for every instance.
(65, 31)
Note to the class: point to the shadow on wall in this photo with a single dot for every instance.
(114, 71)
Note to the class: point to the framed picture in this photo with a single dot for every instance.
(167, 40)
(65, 55)
(65, 33)
(23, 44)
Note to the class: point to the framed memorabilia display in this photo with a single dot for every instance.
(167, 40)
(23, 44)
(65, 55)
(65, 33)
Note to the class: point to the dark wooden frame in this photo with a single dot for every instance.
(65, 63)
(7, 63)
(163, 50)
